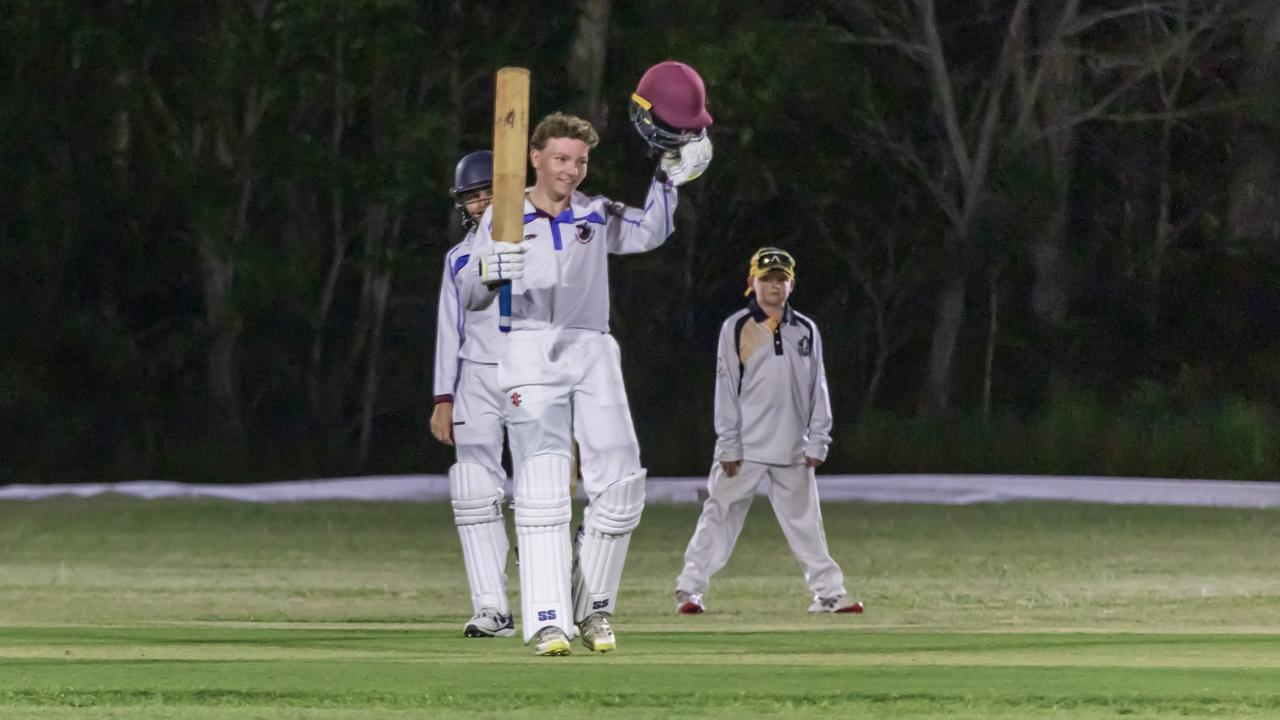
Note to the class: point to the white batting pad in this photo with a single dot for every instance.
(610, 519)
(543, 511)
(477, 511)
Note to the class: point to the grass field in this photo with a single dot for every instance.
(120, 608)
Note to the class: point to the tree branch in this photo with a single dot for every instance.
(941, 78)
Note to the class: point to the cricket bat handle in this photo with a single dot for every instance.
(504, 307)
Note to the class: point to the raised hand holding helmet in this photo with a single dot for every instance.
(687, 163)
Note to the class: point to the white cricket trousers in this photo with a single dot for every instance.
(477, 419)
(564, 383)
(793, 492)
(476, 484)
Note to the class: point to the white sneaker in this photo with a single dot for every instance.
(688, 603)
(551, 641)
(489, 623)
(838, 604)
(597, 635)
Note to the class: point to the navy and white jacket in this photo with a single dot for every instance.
(772, 404)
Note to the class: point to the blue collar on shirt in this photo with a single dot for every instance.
(577, 212)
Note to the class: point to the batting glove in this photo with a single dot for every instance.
(503, 262)
(687, 163)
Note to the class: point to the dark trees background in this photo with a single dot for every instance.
(1039, 237)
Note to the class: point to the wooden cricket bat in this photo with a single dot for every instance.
(510, 159)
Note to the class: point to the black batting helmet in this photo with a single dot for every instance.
(473, 172)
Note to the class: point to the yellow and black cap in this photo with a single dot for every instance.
(768, 259)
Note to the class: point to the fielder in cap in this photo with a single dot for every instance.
(773, 425)
(468, 414)
(561, 376)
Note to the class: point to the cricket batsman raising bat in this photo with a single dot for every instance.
(510, 141)
(561, 371)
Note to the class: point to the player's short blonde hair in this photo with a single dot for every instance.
(563, 125)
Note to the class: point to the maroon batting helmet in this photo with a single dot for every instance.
(669, 106)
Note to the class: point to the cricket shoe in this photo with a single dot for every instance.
(597, 635)
(837, 604)
(688, 603)
(551, 641)
(490, 623)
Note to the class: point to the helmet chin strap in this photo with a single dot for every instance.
(468, 223)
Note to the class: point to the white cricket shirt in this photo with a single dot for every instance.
(772, 404)
(566, 269)
(461, 334)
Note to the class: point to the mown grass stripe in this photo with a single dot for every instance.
(685, 701)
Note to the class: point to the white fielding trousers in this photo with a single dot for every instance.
(477, 484)
(562, 385)
(793, 492)
(477, 419)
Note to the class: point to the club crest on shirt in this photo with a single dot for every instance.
(806, 346)
(585, 233)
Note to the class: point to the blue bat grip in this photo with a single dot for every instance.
(504, 307)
